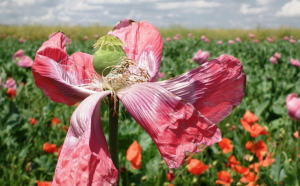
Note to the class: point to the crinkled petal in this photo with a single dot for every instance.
(25, 61)
(142, 43)
(84, 158)
(176, 127)
(214, 88)
(62, 77)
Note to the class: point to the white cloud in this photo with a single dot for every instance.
(186, 4)
(23, 2)
(247, 10)
(290, 9)
(263, 2)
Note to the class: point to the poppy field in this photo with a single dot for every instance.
(260, 139)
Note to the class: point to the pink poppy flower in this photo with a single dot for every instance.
(295, 62)
(286, 38)
(201, 56)
(270, 40)
(190, 35)
(292, 41)
(10, 83)
(238, 40)
(293, 106)
(22, 61)
(299, 41)
(273, 60)
(18, 54)
(168, 39)
(179, 114)
(25, 61)
(256, 41)
(86, 38)
(206, 40)
(22, 40)
(277, 55)
(230, 42)
(220, 42)
(251, 35)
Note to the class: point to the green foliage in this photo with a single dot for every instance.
(23, 161)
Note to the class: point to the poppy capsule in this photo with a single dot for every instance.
(109, 52)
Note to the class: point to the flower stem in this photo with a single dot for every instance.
(113, 129)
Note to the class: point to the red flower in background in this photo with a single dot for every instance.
(55, 121)
(11, 93)
(184, 116)
(224, 178)
(249, 178)
(43, 183)
(32, 121)
(232, 162)
(196, 166)
(134, 155)
(249, 117)
(226, 145)
(49, 148)
(248, 122)
(170, 176)
(241, 170)
(260, 149)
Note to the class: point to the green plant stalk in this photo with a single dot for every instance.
(113, 129)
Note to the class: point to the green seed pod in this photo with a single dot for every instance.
(109, 52)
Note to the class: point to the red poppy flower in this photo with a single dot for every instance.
(255, 167)
(226, 145)
(260, 149)
(267, 160)
(182, 117)
(50, 148)
(232, 162)
(32, 121)
(249, 178)
(196, 167)
(55, 121)
(11, 93)
(133, 154)
(43, 183)
(254, 129)
(241, 170)
(170, 176)
(249, 117)
(224, 178)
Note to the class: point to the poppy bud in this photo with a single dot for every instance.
(109, 52)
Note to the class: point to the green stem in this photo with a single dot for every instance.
(113, 129)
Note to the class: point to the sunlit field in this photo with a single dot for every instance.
(267, 154)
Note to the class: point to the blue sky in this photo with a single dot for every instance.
(163, 13)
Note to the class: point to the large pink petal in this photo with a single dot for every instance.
(62, 77)
(85, 159)
(142, 43)
(176, 127)
(214, 88)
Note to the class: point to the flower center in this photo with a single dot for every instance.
(124, 75)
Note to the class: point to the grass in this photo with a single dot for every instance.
(35, 32)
